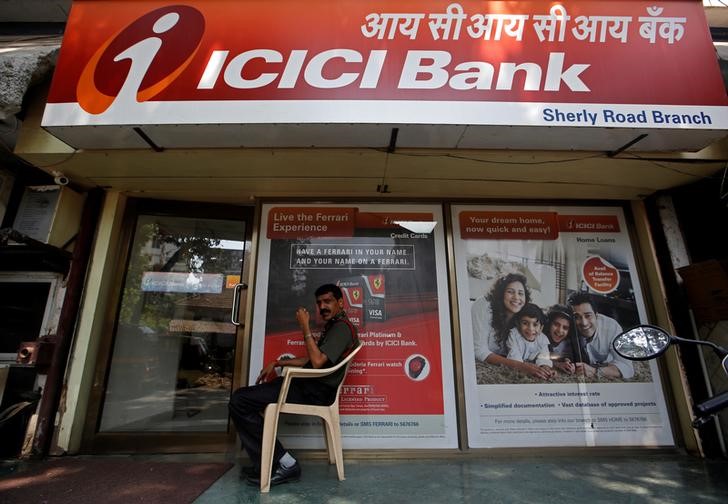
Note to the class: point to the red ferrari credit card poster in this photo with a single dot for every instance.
(389, 261)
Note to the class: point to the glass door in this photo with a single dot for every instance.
(173, 351)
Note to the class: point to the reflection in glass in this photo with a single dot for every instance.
(174, 346)
(422, 227)
(642, 342)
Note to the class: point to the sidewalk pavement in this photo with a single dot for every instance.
(650, 477)
(660, 478)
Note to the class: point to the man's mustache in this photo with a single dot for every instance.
(324, 311)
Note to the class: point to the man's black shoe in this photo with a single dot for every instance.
(279, 476)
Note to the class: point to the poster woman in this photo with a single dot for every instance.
(492, 317)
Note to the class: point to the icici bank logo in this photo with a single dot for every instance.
(141, 60)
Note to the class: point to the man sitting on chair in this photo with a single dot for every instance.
(247, 403)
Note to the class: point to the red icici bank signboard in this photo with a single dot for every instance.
(572, 63)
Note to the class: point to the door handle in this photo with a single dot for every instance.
(235, 316)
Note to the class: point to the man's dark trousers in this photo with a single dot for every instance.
(247, 404)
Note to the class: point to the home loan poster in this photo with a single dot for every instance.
(389, 261)
(542, 292)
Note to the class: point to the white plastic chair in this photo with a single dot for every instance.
(329, 415)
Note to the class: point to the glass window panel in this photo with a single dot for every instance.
(174, 347)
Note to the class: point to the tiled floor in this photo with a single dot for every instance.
(643, 478)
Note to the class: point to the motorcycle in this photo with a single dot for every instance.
(645, 342)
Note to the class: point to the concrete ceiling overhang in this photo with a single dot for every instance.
(32, 11)
(242, 175)
(418, 136)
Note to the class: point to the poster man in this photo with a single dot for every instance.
(598, 332)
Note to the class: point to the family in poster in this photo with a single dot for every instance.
(542, 293)
(564, 341)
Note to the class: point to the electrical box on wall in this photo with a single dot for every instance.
(50, 214)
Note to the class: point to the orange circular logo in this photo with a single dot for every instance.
(600, 275)
(144, 58)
